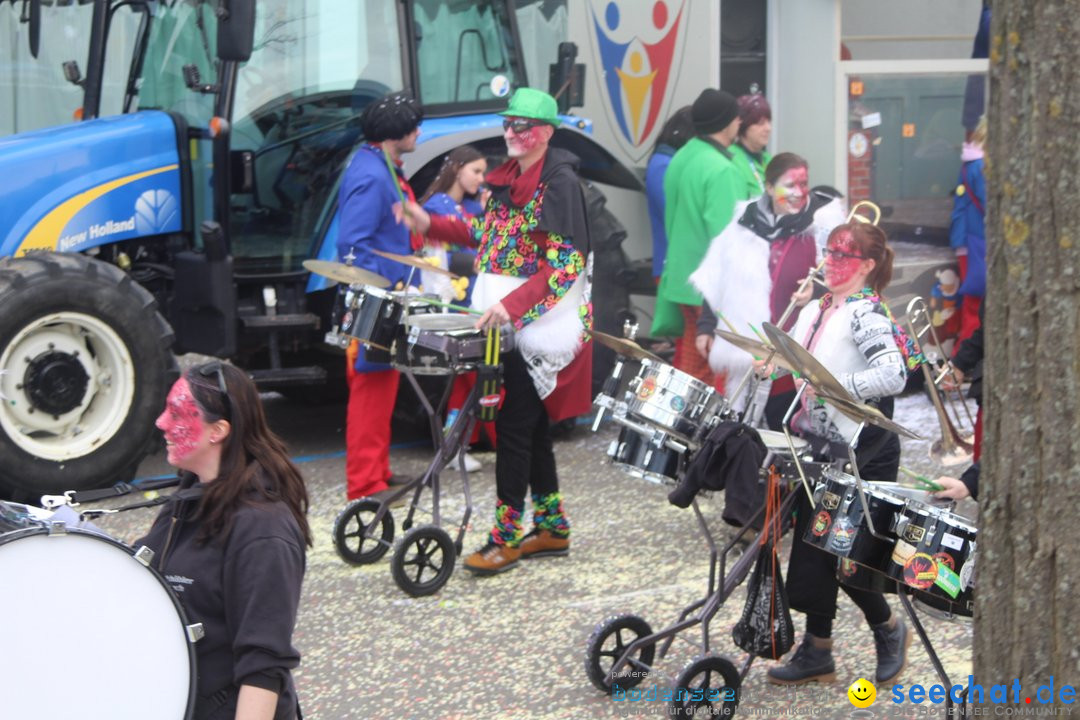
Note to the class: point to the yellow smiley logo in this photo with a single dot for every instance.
(862, 693)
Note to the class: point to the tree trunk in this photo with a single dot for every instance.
(1028, 577)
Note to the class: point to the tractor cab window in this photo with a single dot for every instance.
(465, 53)
(314, 67)
(181, 34)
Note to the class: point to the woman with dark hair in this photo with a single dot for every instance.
(853, 334)
(751, 158)
(676, 131)
(232, 542)
(458, 191)
(754, 267)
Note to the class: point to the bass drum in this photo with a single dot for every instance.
(90, 632)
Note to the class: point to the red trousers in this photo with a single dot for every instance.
(687, 358)
(367, 431)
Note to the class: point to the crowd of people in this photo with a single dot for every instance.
(736, 233)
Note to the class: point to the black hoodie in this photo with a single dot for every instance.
(244, 589)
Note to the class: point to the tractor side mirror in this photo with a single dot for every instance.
(236, 30)
(566, 79)
(72, 73)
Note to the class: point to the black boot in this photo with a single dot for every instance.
(891, 640)
(812, 661)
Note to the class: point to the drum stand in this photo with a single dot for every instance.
(637, 657)
(424, 558)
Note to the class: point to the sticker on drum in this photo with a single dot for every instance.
(822, 521)
(843, 535)
(902, 551)
(830, 501)
(945, 559)
(947, 580)
(647, 388)
(914, 534)
(920, 571)
(677, 403)
(92, 632)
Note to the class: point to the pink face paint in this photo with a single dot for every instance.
(791, 192)
(518, 144)
(840, 269)
(181, 422)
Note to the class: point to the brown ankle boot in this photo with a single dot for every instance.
(812, 661)
(543, 543)
(493, 559)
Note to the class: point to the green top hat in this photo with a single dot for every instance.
(534, 104)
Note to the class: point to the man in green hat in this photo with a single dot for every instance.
(533, 272)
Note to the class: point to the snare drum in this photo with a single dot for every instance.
(441, 352)
(90, 631)
(777, 445)
(839, 527)
(670, 400)
(642, 457)
(935, 554)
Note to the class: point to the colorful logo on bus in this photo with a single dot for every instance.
(636, 44)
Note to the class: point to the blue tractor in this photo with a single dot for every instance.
(181, 224)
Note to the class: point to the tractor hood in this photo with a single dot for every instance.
(77, 186)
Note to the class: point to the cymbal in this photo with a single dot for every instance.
(417, 262)
(348, 274)
(808, 366)
(625, 347)
(756, 348)
(441, 321)
(861, 412)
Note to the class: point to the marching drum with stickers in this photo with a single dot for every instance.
(671, 400)
(935, 554)
(92, 630)
(839, 526)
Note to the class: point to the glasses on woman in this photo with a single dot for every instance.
(519, 125)
(210, 370)
(840, 254)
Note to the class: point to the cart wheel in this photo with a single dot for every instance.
(707, 687)
(424, 560)
(606, 645)
(350, 527)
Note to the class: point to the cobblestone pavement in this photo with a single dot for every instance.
(513, 646)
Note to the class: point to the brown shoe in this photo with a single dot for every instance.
(543, 543)
(493, 559)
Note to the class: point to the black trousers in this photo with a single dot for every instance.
(524, 457)
(811, 582)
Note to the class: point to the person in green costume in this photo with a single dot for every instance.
(701, 188)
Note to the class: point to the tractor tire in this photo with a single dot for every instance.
(85, 363)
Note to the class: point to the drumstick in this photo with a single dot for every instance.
(397, 185)
(926, 483)
(437, 303)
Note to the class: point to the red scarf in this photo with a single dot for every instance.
(522, 184)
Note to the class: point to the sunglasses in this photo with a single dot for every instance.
(520, 126)
(840, 254)
(210, 370)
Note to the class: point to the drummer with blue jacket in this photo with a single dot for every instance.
(367, 199)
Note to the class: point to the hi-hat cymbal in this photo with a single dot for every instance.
(348, 274)
(801, 361)
(860, 412)
(417, 262)
(441, 321)
(758, 349)
(624, 347)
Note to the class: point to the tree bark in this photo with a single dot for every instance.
(1028, 571)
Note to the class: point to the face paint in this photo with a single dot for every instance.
(181, 422)
(518, 144)
(791, 191)
(839, 269)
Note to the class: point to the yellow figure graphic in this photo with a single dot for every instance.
(861, 693)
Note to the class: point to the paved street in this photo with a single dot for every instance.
(513, 645)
